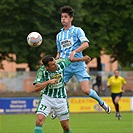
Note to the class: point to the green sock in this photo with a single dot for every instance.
(68, 131)
(38, 129)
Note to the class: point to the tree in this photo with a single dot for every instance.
(22, 17)
(109, 27)
(107, 24)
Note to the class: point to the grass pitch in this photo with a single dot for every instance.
(80, 123)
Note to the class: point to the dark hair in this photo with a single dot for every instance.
(46, 59)
(68, 10)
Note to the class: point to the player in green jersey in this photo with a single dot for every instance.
(50, 81)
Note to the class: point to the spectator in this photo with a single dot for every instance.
(98, 83)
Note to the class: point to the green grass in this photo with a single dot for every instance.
(80, 123)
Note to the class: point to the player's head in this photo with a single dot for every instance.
(50, 63)
(68, 10)
(67, 15)
(116, 72)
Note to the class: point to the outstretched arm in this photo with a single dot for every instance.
(84, 46)
(58, 55)
(86, 58)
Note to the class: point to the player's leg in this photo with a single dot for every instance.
(39, 122)
(65, 125)
(63, 114)
(42, 111)
(116, 99)
(113, 96)
(83, 78)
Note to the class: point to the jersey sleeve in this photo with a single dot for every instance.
(123, 81)
(39, 76)
(109, 82)
(81, 36)
(63, 62)
(58, 43)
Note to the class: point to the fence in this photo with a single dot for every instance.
(22, 82)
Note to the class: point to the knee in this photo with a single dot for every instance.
(86, 91)
(115, 102)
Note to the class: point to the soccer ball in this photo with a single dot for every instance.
(34, 39)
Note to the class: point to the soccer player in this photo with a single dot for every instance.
(53, 93)
(117, 85)
(71, 41)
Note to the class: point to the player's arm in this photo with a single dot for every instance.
(41, 86)
(109, 83)
(83, 46)
(85, 58)
(123, 88)
(123, 85)
(58, 55)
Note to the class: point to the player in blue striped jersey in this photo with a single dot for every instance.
(71, 41)
(50, 81)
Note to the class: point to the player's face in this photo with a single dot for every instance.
(52, 66)
(66, 20)
(116, 73)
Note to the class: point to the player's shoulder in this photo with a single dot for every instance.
(120, 77)
(42, 68)
(61, 60)
(112, 77)
(76, 28)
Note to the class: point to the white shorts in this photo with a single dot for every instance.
(59, 105)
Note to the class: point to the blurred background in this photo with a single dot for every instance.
(107, 24)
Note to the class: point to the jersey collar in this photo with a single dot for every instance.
(68, 29)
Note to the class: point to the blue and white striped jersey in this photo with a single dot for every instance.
(69, 40)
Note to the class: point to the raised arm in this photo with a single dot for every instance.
(58, 55)
(84, 46)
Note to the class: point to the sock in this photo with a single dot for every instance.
(94, 95)
(117, 107)
(68, 131)
(38, 129)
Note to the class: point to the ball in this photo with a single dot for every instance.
(34, 39)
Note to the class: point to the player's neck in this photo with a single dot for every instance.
(67, 27)
(116, 77)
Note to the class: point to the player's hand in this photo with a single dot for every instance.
(109, 86)
(87, 59)
(123, 91)
(72, 55)
(57, 56)
(52, 81)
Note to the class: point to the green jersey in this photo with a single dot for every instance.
(53, 90)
